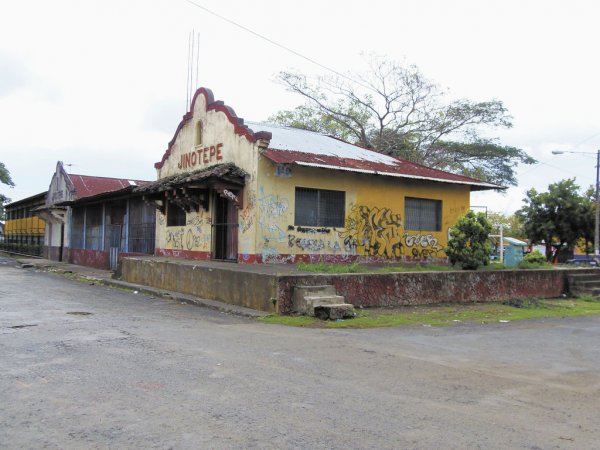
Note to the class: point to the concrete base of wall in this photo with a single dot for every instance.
(219, 281)
(266, 288)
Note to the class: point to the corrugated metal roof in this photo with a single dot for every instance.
(88, 186)
(307, 148)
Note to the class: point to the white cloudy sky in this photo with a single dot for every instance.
(101, 84)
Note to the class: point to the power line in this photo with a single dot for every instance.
(277, 44)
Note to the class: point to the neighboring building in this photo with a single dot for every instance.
(225, 192)
(95, 220)
(24, 229)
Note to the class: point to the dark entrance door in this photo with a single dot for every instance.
(225, 230)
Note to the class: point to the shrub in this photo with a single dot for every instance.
(535, 257)
(469, 245)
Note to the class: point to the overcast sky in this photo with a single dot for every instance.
(101, 84)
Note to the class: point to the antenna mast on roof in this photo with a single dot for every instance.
(187, 82)
(197, 59)
(191, 83)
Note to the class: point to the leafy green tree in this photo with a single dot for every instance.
(4, 179)
(555, 217)
(394, 109)
(587, 219)
(469, 244)
(511, 224)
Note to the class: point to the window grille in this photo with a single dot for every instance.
(422, 214)
(142, 218)
(114, 235)
(93, 228)
(77, 221)
(319, 208)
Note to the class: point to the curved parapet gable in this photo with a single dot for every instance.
(212, 105)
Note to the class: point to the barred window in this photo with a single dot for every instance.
(142, 218)
(319, 208)
(93, 228)
(422, 214)
(77, 226)
(175, 215)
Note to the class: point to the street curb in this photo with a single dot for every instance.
(149, 291)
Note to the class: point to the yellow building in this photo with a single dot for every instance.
(263, 193)
(24, 229)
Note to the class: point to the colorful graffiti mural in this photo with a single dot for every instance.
(373, 231)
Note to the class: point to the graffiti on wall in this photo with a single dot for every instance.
(373, 231)
(271, 208)
(422, 245)
(247, 214)
(175, 238)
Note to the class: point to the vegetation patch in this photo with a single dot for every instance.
(441, 315)
(323, 267)
(416, 268)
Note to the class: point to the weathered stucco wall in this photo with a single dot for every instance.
(208, 138)
(374, 228)
(423, 288)
(257, 290)
(252, 290)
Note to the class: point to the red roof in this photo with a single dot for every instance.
(401, 168)
(88, 186)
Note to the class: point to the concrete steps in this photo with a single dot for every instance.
(321, 301)
(584, 284)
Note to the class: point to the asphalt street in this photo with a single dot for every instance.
(87, 366)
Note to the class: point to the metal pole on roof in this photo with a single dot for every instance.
(501, 243)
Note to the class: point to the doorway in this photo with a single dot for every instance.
(225, 229)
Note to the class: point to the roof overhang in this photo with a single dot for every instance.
(400, 169)
(189, 190)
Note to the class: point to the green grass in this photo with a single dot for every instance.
(417, 268)
(524, 265)
(440, 315)
(322, 267)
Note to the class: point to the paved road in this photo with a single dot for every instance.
(92, 367)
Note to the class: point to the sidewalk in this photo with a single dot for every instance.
(104, 277)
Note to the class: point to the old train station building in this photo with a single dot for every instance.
(251, 192)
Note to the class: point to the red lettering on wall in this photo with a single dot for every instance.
(201, 156)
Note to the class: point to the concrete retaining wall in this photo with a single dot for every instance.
(258, 290)
(422, 288)
(252, 290)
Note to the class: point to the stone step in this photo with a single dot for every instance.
(590, 291)
(307, 304)
(585, 283)
(334, 311)
(305, 298)
(324, 289)
(575, 277)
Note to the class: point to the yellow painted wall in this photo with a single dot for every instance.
(374, 205)
(374, 215)
(28, 226)
(195, 236)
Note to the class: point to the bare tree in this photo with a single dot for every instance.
(394, 109)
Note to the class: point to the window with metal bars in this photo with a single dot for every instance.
(422, 214)
(319, 208)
